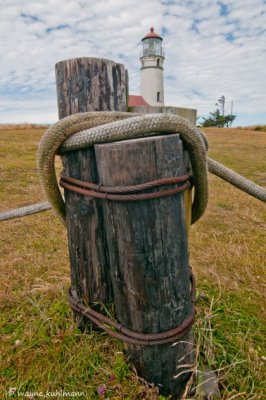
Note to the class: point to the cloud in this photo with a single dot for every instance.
(212, 48)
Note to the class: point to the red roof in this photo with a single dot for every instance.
(152, 34)
(136, 101)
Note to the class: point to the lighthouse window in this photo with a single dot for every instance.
(158, 62)
(158, 97)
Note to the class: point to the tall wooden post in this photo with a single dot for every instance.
(132, 254)
(148, 250)
(88, 84)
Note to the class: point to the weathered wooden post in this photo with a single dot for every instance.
(148, 250)
(88, 84)
(132, 253)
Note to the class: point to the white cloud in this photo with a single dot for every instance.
(213, 48)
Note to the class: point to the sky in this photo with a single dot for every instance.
(212, 49)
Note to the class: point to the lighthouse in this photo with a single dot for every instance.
(151, 98)
(152, 59)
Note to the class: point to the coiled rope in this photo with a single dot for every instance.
(86, 129)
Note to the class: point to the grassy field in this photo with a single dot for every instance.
(42, 348)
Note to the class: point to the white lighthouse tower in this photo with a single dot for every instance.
(152, 58)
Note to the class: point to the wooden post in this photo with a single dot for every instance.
(148, 251)
(88, 84)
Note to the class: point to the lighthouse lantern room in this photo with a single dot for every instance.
(152, 58)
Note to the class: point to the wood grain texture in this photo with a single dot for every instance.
(89, 261)
(148, 252)
(90, 84)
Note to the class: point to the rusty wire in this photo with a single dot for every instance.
(115, 193)
(119, 331)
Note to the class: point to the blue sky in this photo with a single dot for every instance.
(212, 48)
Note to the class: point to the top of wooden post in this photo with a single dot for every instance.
(92, 59)
(90, 84)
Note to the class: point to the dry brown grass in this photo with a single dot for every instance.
(22, 126)
(232, 232)
(260, 128)
(43, 348)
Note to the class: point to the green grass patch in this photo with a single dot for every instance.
(47, 351)
(231, 341)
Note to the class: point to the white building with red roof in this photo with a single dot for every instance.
(136, 101)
